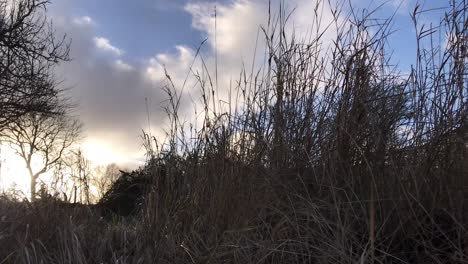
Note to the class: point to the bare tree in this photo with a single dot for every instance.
(81, 173)
(104, 177)
(72, 177)
(41, 140)
(29, 50)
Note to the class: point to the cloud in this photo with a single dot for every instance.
(237, 24)
(122, 66)
(111, 90)
(181, 67)
(83, 21)
(105, 45)
(237, 42)
(176, 65)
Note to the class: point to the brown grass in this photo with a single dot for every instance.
(330, 156)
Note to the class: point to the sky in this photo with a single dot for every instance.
(119, 50)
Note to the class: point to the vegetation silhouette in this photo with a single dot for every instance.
(327, 155)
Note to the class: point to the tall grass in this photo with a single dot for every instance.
(327, 155)
(332, 156)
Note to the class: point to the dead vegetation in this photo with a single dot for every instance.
(330, 156)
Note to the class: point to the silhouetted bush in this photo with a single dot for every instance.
(126, 195)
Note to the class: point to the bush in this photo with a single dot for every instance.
(126, 194)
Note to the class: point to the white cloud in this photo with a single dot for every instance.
(237, 24)
(176, 65)
(110, 91)
(238, 37)
(181, 67)
(104, 44)
(239, 44)
(83, 21)
(122, 66)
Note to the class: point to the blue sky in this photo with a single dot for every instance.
(147, 27)
(119, 48)
(141, 27)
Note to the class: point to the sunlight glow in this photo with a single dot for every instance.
(100, 153)
(14, 175)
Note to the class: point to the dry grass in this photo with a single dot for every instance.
(330, 156)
